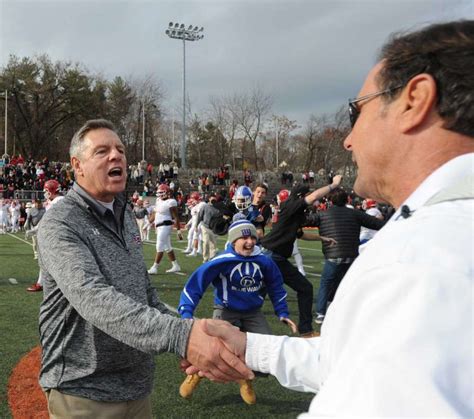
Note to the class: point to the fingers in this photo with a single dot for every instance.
(217, 360)
(236, 364)
(290, 324)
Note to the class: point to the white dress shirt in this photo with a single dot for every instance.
(397, 339)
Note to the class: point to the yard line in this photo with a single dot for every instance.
(307, 248)
(308, 266)
(318, 275)
(24, 241)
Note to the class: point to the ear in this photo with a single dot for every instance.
(77, 167)
(419, 99)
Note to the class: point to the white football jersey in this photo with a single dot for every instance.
(163, 210)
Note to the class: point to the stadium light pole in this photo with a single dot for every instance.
(143, 130)
(6, 120)
(179, 31)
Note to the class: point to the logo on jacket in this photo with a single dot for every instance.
(246, 277)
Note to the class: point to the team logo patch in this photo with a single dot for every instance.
(246, 232)
(136, 239)
(246, 277)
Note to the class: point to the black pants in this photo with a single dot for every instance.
(304, 291)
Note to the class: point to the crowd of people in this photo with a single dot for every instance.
(102, 322)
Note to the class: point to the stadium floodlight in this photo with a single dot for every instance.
(190, 34)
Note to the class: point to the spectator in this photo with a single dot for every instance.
(238, 276)
(279, 242)
(343, 225)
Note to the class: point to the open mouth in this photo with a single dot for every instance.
(115, 172)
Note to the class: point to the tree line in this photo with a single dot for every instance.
(48, 101)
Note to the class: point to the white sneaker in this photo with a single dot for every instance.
(192, 254)
(175, 268)
(153, 270)
(187, 251)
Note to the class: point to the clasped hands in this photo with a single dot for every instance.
(216, 350)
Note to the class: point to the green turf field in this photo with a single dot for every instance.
(19, 333)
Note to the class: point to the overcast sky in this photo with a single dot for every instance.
(310, 55)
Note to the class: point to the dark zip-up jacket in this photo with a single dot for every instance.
(101, 322)
(343, 224)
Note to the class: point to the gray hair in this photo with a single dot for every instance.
(77, 143)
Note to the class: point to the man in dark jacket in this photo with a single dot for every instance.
(343, 225)
(278, 244)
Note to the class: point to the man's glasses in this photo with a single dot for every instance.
(354, 110)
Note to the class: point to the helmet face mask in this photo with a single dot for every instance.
(163, 191)
(243, 198)
(195, 197)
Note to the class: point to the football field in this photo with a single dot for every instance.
(19, 334)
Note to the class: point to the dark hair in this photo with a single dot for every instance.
(77, 142)
(261, 185)
(446, 52)
(338, 197)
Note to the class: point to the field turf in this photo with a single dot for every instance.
(19, 334)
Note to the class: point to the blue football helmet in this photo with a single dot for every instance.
(243, 198)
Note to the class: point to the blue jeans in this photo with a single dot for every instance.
(331, 277)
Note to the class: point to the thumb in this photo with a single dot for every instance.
(218, 328)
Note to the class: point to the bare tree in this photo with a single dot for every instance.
(221, 115)
(250, 111)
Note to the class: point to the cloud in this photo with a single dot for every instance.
(310, 55)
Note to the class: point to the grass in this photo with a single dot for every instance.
(19, 334)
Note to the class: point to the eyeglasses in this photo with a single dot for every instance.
(354, 110)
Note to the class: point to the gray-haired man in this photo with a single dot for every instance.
(101, 322)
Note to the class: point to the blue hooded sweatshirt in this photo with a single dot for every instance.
(237, 282)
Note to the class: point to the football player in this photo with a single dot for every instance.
(194, 235)
(166, 209)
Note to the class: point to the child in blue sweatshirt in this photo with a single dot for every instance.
(237, 275)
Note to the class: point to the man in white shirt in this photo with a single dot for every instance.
(397, 340)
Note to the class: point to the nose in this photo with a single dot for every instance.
(115, 154)
(348, 142)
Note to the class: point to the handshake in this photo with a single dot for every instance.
(216, 350)
(225, 358)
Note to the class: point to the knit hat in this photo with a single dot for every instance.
(241, 228)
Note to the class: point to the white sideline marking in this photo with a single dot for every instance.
(308, 266)
(24, 241)
(170, 308)
(178, 273)
(318, 275)
(307, 248)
